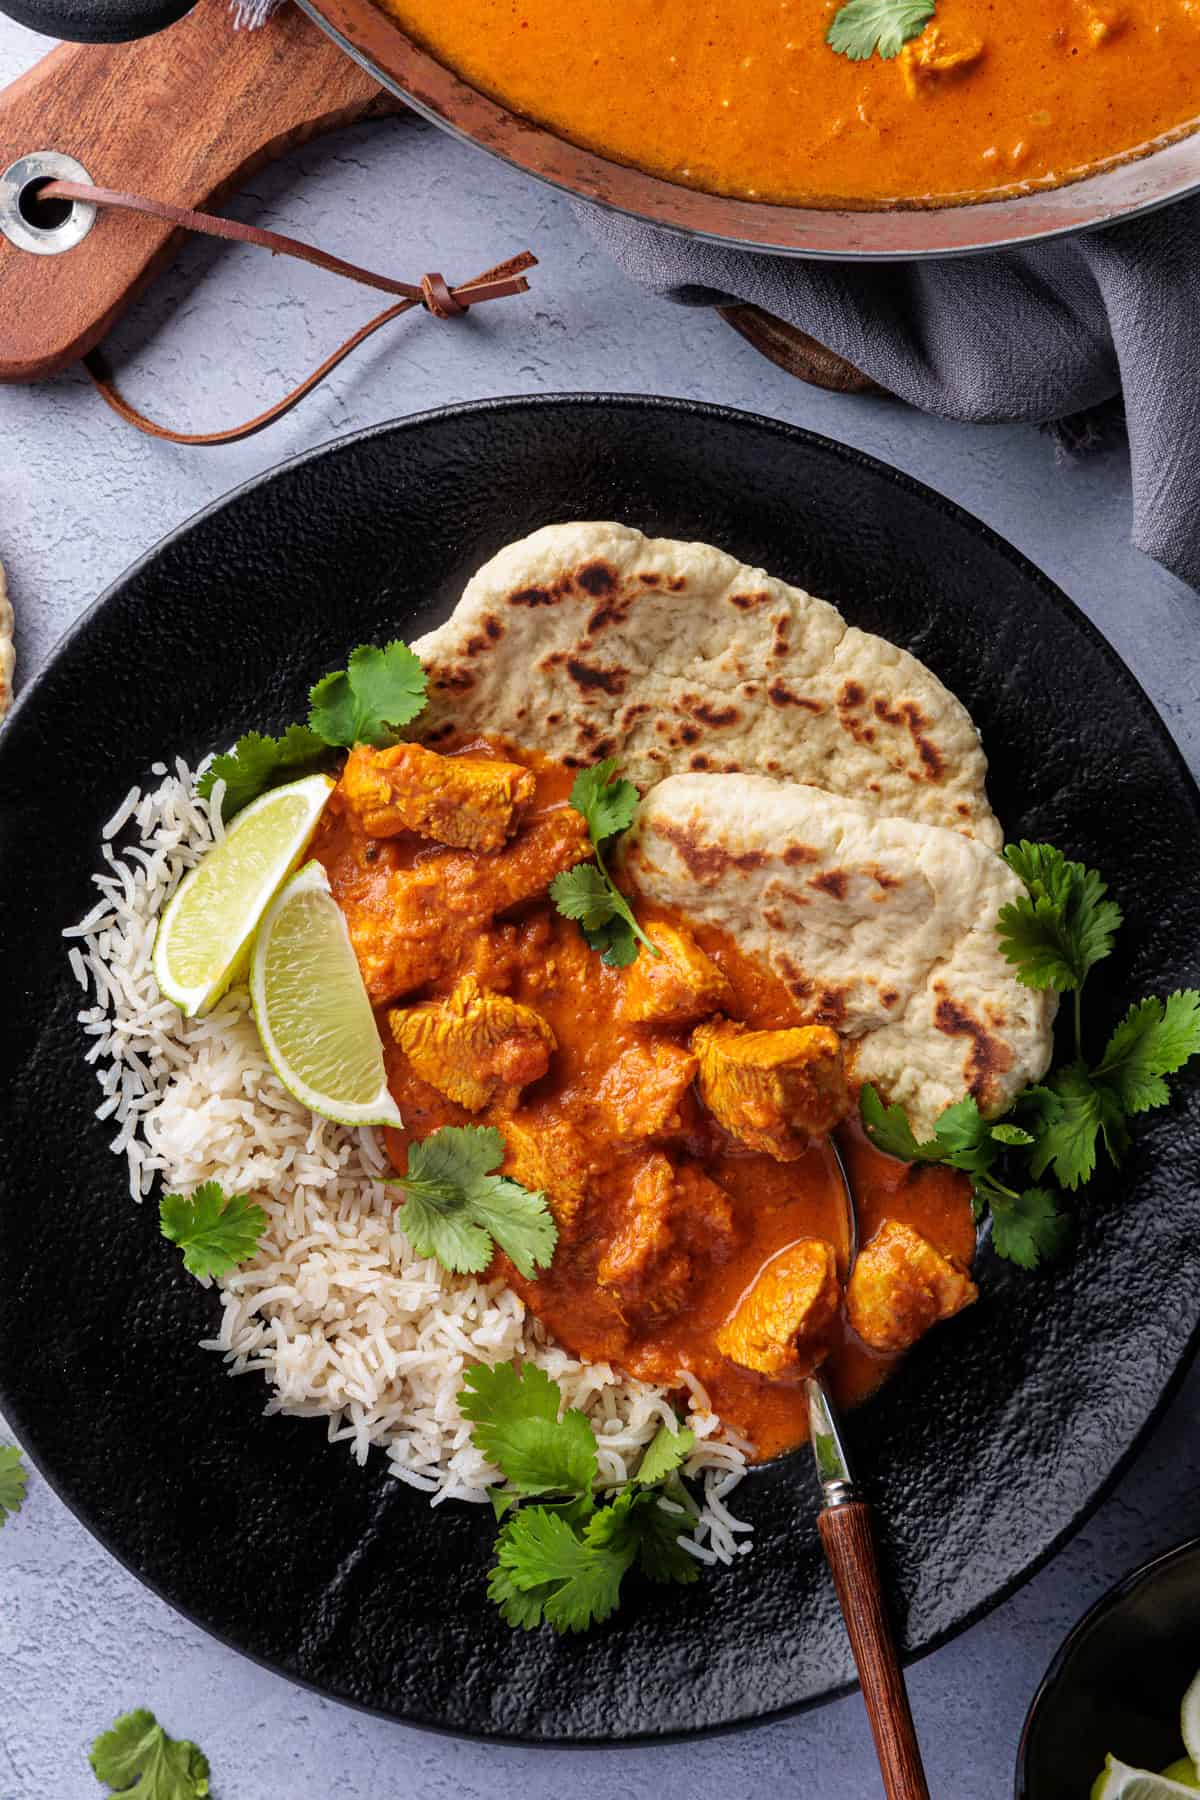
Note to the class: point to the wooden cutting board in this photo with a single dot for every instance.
(184, 116)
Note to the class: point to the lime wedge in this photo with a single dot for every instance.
(313, 1014)
(1189, 1721)
(1118, 1781)
(204, 934)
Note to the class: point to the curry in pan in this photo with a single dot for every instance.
(873, 103)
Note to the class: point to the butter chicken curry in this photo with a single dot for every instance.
(674, 1112)
(750, 99)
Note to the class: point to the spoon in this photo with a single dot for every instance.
(848, 1536)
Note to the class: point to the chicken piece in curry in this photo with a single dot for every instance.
(772, 1090)
(901, 1285)
(675, 1113)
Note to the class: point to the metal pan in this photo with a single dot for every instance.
(376, 41)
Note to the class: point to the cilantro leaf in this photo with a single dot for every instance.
(606, 800)
(1155, 1038)
(1028, 1229)
(862, 27)
(661, 1556)
(1064, 927)
(587, 893)
(584, 893)
(457, 1210)
(371, 698)
(137, 1759)
(515, 1423)
(889, 1130)
(214, 1233)
(539, 1551)
(522, 1609)
(257, 763)
(562, 1564)
(1069, 1141)
(1011, 1136)
(13, 1481)
(615, 943)
(665, 1453)
(634, 1526)
(966, 1138)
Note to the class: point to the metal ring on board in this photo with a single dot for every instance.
(20, 181)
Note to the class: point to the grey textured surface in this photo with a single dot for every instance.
(81, 495)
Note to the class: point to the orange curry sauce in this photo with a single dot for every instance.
(540, 959)
(745, 97)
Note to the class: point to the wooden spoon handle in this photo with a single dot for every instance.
(850, 1547)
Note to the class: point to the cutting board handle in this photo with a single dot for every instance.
(184, 117)
(96, 21)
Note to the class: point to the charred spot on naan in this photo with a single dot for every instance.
(988, 1056)
(905, 715)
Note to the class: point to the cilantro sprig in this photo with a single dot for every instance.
(214, 1232)
(368, 702)
(864, 28)
(561, 1561)
(457, 1210)
(587, 892)
(1053, 938)
(137, 1759)
(13, 1482)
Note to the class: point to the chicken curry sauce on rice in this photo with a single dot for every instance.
(675, 1112)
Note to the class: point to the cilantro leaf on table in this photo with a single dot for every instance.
(13, 1481)
(257, 763)
(371, 698)
(214, 1233)
(136, 1759)
(863, 28)
(587, 893)
(517, 1427)
(457, 1210)
(1155, 1038)
(1029, 1229)
(1056, 934)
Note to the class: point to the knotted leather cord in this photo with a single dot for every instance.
(432, 293)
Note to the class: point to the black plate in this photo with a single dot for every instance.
(1003, 1429)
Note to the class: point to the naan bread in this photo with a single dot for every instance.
(591, 640)
(8, 657)
(882, 928)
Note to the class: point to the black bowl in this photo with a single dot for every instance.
(1116, 1682)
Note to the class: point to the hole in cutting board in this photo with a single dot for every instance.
(43, 215)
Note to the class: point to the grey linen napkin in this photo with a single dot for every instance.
(1034, 335)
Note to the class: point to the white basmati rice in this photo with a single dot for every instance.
(334, 1309)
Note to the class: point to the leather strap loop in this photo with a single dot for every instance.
(432, 293)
